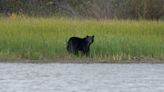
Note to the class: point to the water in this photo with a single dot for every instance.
(81, 77)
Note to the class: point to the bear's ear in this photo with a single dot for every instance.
(87, 36)
(93, 36)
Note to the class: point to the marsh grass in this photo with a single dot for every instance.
(45, 38)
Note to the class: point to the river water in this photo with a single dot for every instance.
(19, 77)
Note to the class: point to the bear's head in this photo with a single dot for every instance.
(90, 39)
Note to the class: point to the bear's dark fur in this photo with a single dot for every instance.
(76, 44)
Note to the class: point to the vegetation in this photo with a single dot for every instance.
(45, 38)
(99, 9)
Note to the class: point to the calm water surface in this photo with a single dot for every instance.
(81, 77)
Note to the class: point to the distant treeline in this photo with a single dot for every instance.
(99, 9)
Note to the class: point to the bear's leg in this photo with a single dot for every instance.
(76, 52)
(86, 52)
(68, 48)
(72, 49)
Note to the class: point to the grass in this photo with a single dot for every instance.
(45, 38)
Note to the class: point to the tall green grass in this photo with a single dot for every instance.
(45, 38)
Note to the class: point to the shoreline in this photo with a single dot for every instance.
(85, 61)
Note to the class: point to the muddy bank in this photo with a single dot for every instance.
(89, 61)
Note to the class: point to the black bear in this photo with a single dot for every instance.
(76, 44)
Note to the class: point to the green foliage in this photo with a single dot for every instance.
(45, 38)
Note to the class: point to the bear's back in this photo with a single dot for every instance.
(75, 40)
